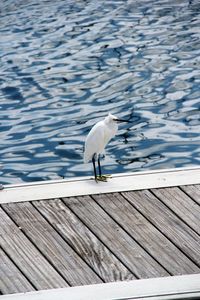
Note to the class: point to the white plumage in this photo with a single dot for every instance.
(97, 139)
(99, 136)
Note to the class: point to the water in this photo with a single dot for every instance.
(65, 64)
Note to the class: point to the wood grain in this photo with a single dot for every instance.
(52, 246)
(167, 222)
(181, 204)
(83, 241)
(26, 256)
(151, 239)
(193, 191)
(11, 278)
(115, 238)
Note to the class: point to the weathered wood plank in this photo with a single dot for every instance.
(181, 204)
(83, 241)
(115, 238)
(151, 239)
(167, 222)
(66, 261)
(193, 191)
(11, 279)
(26, 256)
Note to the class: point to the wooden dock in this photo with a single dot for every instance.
(135, 226)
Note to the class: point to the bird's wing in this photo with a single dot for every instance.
(95, 141)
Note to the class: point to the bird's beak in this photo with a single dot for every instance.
(122, 121)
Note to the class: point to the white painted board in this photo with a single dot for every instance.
(87, 186)
(187, 285)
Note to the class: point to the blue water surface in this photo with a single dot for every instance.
(65, 64)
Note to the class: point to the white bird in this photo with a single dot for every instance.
(98, 137)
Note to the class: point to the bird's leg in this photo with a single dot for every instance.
(93, 161)
(101, 177)
(99, 165)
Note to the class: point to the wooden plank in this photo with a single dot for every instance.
(187, 209)
(193, 191)
(167, 222)
(115, 238)
(83, 241)
(88, 186)
(151, 239)
(26, 256)
(11, 279)
(64, 259)
(174, 287)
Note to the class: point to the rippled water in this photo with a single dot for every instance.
(65, 64)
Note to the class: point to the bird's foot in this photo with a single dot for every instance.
(102, 178)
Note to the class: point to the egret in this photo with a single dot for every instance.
(98, 137)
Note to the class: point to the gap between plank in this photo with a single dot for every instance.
(175, 213)
(65, 238)
(176, 245)
(122, 227)
(18, 268)
(106, 246)
(190, 196)
(38, 249)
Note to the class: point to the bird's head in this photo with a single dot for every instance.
(111, 119)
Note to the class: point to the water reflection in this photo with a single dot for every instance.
(65, 64)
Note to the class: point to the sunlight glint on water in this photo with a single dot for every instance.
(65, 64)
